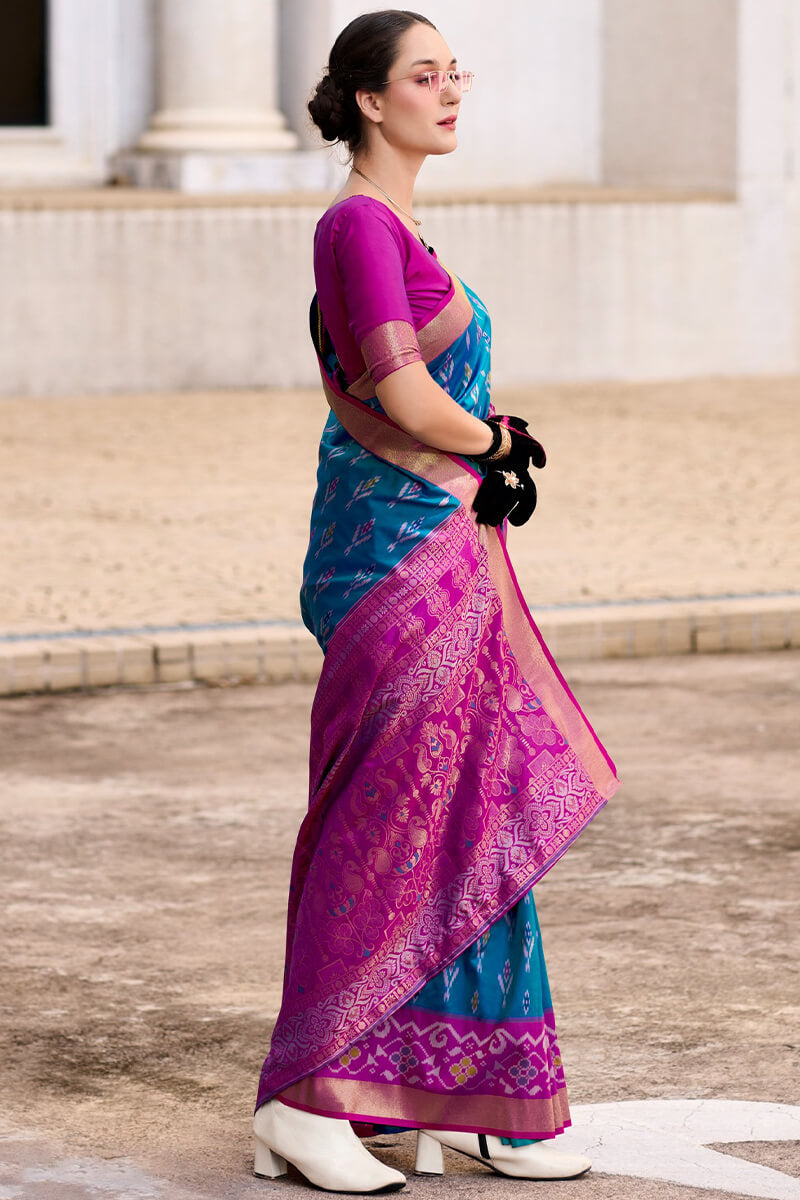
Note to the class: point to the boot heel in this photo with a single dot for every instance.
(268, 1164)
(430, 1160)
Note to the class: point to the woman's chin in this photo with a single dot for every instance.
(445, 148)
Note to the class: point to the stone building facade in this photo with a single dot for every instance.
(626, 194)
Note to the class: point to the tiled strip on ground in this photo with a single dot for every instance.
(277, 652)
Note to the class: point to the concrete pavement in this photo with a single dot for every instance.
(146, 843)
(161, 537)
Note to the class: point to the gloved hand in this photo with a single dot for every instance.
(508, 489)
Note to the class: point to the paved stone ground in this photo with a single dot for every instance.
(146, 844)
(162, 509)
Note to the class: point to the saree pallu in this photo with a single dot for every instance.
(450, 768)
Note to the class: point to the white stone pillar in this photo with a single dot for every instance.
(217, 126)
(217, 78)
(767, 87)
(769, 296)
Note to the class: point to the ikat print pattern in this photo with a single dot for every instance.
(455, 1055)
(369, 514)
(366, 516)
(441, 791)
(483, 1026)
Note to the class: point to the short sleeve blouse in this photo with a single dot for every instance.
(376, 286)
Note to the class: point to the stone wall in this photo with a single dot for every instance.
(191, 295)
(696, 107)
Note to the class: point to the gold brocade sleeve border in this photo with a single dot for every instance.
(430, 341)
(389, 347)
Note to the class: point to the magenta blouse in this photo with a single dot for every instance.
(376, 286)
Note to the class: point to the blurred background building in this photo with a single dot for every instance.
(626, 195)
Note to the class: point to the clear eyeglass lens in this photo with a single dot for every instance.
(440, 80)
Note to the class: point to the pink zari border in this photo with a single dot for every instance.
(516, 1087)
(432, 338)
(332, 994)
(393, 1104)
(376, 433)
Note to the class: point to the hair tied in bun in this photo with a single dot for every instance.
(364, 52)
(327, 109)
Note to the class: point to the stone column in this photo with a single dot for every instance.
(217, 78)
(217, 126)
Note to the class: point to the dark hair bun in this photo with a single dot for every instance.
(361, 57)
(328, 110)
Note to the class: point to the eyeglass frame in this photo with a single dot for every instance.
(445, 78)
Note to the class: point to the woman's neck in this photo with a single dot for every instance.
(393, 174)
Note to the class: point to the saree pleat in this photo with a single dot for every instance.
(474, 1049)
(451, 767)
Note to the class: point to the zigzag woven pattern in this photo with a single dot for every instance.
(444, 791)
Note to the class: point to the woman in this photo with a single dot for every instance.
(450, 764)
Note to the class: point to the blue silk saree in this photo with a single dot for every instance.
(450, 768)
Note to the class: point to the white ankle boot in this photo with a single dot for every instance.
(537, 1161)
(324, 1149)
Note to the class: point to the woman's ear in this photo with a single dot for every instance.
(369, 104)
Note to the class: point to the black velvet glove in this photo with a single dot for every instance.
(508, 489)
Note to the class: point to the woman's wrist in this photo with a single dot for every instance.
(503, 449)
(500, 444)
(494, 442)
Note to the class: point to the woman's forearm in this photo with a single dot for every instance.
(417, 404)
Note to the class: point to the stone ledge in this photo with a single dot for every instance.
(117, 197)
(257, 654)
(747, 624)
(271, 654)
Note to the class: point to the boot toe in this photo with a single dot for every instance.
(540, 1161)
(325, 1150)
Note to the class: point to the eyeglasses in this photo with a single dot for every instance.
(438, 81)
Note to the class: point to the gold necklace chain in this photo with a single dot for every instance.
(388, 197)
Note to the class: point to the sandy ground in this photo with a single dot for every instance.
(146, 844)
(128, 510)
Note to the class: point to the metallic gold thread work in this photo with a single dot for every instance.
(503, 449)
(390, 346)
(432, 338)
(448, 324)
(396, 446)
(379, 1102)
